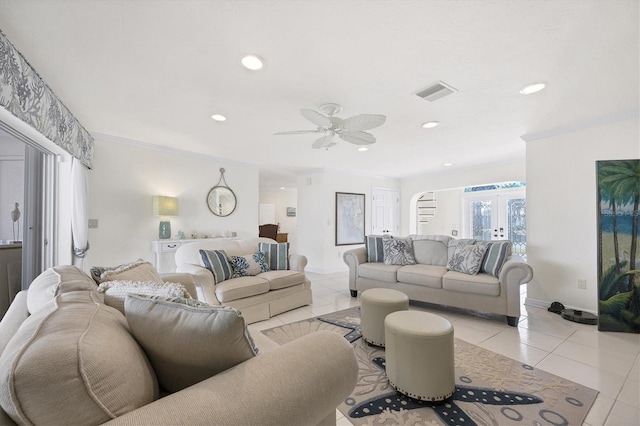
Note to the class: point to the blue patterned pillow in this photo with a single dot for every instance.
(398, 251)
(375, 248)
(249, 265)
(276, 255)
(217, 262)
(497, 253)
(467, 258)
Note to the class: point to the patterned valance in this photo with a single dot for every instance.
(27, 96)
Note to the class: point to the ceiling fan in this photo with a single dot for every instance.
(350, 129)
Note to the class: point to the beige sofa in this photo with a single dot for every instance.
(67, 358)
(430, 281)
(258, 297)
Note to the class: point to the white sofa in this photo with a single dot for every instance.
(259, 297)
(430, 281)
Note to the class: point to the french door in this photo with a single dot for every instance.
(497, 216)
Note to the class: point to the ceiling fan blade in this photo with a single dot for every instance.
(358, 138)
(298, 132)
(315, 117)
(364, 122)
(323, 142)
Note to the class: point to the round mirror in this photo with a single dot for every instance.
(221, 200)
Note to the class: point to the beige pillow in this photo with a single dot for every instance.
(116, 291)
(134, 271)
(188, 341)
(74, 362)
(54, 281)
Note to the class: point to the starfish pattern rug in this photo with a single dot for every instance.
(491, 389)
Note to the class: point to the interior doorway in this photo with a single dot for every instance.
(385, 204)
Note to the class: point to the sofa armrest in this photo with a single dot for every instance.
(186, 280)
(203, 280)
(299, 383)
(353, 258)
(297, 262)
(513, 274)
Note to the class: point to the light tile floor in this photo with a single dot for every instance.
(607, 362)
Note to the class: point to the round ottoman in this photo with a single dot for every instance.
(419, 355)
(375, 305)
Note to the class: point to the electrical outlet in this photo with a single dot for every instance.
(93, 223)
(339, 254)
(582, 283)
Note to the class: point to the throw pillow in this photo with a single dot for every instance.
(375, 247)
(495, 256)
(452, 244)
(54, 281)
(115, 292)
(276, 255)
(217, 262)
(249, 265)
(398, 251)
(188, 341)
(467, 258)
(74, 362)
(134, 271)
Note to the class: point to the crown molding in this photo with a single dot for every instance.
(627, 115)
(174, 151)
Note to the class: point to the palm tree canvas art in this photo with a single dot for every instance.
(618, 263)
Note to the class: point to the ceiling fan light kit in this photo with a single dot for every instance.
(351, 129)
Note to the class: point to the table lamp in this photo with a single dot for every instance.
(165, 207)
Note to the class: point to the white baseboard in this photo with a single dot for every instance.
(545, 305)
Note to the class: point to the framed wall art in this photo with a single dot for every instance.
(349, 218)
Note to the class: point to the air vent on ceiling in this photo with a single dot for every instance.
(437, 91)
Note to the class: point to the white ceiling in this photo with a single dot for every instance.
(154, 72)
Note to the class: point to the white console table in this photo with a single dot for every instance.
(160, 247)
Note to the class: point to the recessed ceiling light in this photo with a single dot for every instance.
(252, 62)
(282, 187)
(447, 164)
(430, 124)
(218, 117)
(363, 149)
(532, 88)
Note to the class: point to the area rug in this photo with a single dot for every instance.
(491, 389)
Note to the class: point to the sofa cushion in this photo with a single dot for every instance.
(496, 255)
(134, 271)
(276, 255)
(430, 252)
(217, 262)
(467, 258)
(398, 251)
(249, 265)
(239, 288)
(479, 284)
(188, 341)
(116, 291)
(74, 362)
(379, 271)
(283, 279)
(54, 281)
(375, 248)
(424, 275)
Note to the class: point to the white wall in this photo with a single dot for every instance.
(11, 184)
(316, 214)
(124, 179)
(281, 199)
(561, 209)
(412, 187)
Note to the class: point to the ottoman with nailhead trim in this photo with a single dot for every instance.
(375, 305)
(419, 355)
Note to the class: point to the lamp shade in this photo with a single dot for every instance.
(165, 206)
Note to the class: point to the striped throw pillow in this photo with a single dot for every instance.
(497, 253)
(375, 248)
(217, 262)
(276, 255)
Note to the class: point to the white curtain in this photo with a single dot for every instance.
(79, 212)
